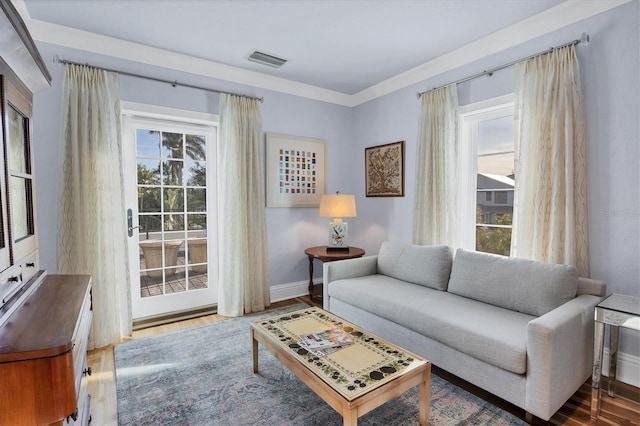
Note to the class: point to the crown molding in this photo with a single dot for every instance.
(136, 52)
(566, 13)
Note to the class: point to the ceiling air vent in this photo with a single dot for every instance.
(266, 59)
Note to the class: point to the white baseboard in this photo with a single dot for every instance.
(628, 365)
(290, 290)
(628, 368)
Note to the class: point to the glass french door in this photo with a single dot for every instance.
(171, 216)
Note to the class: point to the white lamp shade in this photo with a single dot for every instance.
(338, 205)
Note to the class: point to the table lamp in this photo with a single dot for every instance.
(338, 206)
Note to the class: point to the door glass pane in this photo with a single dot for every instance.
(148, 172)
(172, 145)
(195, 146)
(173, 200)
(196, 199)
(172, 172)
(150, 224)
(148, 199)
(147, 143)
(196, 173)
(172, 196)
(197, 222)
(198, 260)
(173, 222)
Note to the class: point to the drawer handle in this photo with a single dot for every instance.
(13, 279)
(86, 371)
(73, 415)
(30, 265)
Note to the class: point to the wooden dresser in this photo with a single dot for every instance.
(43, 346)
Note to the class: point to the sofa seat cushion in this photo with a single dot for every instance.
(523, 285)
(489, 333)
(429, 266)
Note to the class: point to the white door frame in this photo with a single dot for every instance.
(133, 116)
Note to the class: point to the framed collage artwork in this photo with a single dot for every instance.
(296, 169)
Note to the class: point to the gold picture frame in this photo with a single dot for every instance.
(384, 170)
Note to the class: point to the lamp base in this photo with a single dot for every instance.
(338, 235)
(337, 248)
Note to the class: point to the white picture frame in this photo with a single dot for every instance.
(296, 170)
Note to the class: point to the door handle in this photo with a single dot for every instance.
(130, 226)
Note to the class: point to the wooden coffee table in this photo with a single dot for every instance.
(352, 380)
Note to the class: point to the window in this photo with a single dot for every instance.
(501, 198)
(20, 176)
(21, 228)
(488, 179)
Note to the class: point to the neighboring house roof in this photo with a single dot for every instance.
(491, 181)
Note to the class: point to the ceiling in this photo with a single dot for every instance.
(336, 50)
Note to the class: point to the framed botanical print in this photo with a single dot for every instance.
(384, 170)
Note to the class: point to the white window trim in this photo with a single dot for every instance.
(469, 115)
(136, 109)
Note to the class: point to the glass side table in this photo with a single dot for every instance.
(615, 311)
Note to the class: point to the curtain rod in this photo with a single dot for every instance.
(173, 83)
(584, 38)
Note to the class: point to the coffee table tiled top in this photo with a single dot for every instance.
(352, 371)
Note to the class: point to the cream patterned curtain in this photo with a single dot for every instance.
(436, 198)
(550, 210)
(244, 280)
(91, 218)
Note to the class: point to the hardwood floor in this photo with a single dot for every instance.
(623, 410)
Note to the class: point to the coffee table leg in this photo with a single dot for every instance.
(350, 418)
(425, 396)
(254, 351)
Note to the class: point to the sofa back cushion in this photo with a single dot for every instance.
(530, 287)
(429, 266)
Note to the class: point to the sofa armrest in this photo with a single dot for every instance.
(559, 354)
(348, 268)
(591, 286)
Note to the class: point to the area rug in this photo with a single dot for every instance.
(203, 376)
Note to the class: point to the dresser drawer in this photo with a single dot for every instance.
(12, 278)
(80, 341)
(10, 282)
(29, 266)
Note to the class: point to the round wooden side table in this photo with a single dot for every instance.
(322, 254)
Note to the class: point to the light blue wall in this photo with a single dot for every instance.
(290, 230)
(610, 72)
(610, 79)
(609, 66)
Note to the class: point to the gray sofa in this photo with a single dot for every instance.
(520, 329)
